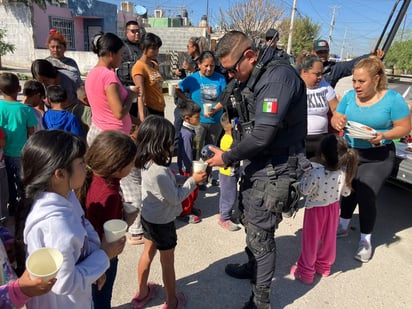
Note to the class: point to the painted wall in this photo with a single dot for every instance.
(41, 22)
(16, 19)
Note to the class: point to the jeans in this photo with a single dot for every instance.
(103, 298)
(228, 196)
(13, 167)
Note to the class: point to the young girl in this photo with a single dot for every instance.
(162, 199)
(53, 166)
(324, 184)
(110, 158)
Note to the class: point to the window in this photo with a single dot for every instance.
(66, 27)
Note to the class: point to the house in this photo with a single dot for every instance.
(28, 27)
(79, 20)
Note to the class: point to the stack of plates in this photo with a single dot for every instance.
(359, 130)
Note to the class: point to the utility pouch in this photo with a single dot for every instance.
(276, 194)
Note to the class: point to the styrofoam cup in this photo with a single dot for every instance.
(114, 229)
(199, 166)
(44, 263)
(129, 208)
(207, 108)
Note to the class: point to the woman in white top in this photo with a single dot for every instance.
(321, 99)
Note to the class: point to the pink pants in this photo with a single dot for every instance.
(318, 241)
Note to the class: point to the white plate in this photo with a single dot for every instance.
(363, 133)
(361, 136)
(356, 125)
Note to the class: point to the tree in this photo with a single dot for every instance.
(5, 48)
(253, 17)
(399, 56)
(304, 33)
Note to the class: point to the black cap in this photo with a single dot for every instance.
(272, 34)
(320, 45)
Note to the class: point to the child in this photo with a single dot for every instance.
(53, 167)
(14, 293)
(162, 199)
(323, 186)
(110, 157)
(17, 121)
(4, 186)
(34, 94)
(190, 113)
(228, 177)
(57, 117)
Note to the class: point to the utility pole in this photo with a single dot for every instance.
(292, 21)
(332, 25)
(403, 27)
(343, 43)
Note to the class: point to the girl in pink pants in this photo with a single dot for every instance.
(330, 178)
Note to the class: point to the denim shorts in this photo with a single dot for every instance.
(162, 235)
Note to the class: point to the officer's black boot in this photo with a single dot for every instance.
(242, 271)
(260, 298)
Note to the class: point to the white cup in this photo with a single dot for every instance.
(44, 263)
(129, 208)
(207, 108)
(199, 166)
(114, 229)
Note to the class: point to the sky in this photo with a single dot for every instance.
(361, 20)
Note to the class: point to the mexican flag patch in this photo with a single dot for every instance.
(270, 106)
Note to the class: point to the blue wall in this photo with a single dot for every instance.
(92, 8)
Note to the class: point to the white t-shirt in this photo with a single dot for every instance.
(318, 107)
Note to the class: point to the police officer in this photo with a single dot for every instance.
(274, 97)
(334, 71)
(272, 39)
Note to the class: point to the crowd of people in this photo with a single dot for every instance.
(74, 155)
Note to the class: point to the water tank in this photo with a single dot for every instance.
(203, 21)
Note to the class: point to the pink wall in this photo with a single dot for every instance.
(41, 22)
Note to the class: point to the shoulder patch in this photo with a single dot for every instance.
(270, 105)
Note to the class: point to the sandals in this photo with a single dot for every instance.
(140, 303)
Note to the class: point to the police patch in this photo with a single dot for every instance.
(270, 106)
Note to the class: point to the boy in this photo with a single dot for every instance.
(187, 145)
(34, 95)
(228, 177)
(18, 121)
(57, 117)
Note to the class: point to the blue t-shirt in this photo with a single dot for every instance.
(204, 89)
(379, 116)
(15, 118)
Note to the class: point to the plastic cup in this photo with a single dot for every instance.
(207, 108)
(199, 166)
(44, 263)
(114, 229)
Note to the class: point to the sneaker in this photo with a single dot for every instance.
(140, 303)
(364, 252)
(192, 219)
(342, 232)
(298, 276)
(135, 239)
(239, 271)
(181, 301)
(229, 225)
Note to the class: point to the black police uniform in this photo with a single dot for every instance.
(278, 107)
(334, 71)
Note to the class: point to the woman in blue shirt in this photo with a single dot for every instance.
(205, 87)
(374, 105)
